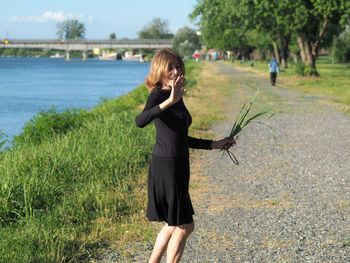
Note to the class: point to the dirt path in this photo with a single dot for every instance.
(287, 201)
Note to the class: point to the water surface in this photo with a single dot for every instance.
(28, 85)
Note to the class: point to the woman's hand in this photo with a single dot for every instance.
(224, 144)
(176, 92)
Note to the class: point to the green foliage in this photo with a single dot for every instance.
(230, 24)
(310, 70)
(299, 68)
(70, 29)
(112, 36)
(52, 192)
(241, 122)
(262, 42)
(340, 50)
(186, 41)
(48, 123)
(21, 52)
(304, 69)
(156, 29)
(221, 24)
(191, 67)
(346, 244)
(3, 141)
(10, 52)
(32, 52)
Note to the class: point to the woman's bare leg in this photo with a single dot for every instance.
(161, 243)
(177, 242)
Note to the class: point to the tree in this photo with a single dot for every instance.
(186, 41)
(221, 26)
(156, 29)
(316, 22)
(112, 36)
(340, 50)
(312, 22)
(70, 29)
(272, 19)
(262, 42)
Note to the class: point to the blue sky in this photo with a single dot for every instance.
(38, 18)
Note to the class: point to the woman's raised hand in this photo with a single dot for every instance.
(176, 91)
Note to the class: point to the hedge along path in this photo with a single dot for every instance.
(289, 199)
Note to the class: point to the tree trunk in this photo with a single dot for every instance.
(275, 50)
(294, 56)
(262, 55)
(284, 50)
(301, 46)
(306, 52)
(309, 49)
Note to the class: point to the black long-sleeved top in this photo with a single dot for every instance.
(172, 124)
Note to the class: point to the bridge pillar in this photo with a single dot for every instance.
(84, 55)
(67, 56)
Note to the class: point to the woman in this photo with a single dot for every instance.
(169, 173)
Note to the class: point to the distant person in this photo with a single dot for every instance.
(169, 172)
(274, 70)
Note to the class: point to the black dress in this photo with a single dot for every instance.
(169, 173)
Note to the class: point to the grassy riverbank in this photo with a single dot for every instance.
(73, 191)
(66, 194)
(333, 82)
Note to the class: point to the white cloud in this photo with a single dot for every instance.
(48, 16)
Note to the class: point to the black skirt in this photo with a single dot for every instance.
(168, 197)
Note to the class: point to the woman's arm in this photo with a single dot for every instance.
(199, 143)
(154, 106)
(147, 115)
(209, 144)
(151, 111)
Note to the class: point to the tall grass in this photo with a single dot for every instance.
(66, 191)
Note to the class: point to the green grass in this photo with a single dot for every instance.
(53, 194)
(75, 181)
(333, 82)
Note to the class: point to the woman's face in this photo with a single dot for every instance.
(174, 71)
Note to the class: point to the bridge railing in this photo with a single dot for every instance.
(85, 44)
(89, 41)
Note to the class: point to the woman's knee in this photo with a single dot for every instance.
(191, 227)
(188, 228)
(170, 229)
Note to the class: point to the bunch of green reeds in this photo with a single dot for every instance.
(241, 123)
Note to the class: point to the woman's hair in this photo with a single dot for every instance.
(160, 67)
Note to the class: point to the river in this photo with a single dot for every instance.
(28, 85)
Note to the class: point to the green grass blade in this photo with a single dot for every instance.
(271, 129)
(248, 109)
(237, 130)
(256, 116)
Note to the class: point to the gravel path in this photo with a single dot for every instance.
(289, 199)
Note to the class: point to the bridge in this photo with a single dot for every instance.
(85, 44)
